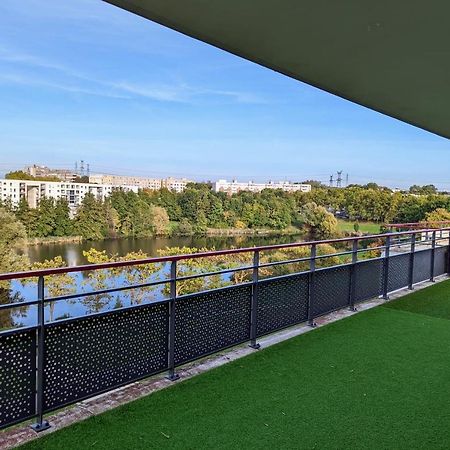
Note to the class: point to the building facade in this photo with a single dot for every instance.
(44, 171)
(173, 184)
(233, 187)
(14, 190)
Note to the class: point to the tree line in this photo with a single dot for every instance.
(197, 208)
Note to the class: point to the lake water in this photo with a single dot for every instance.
(72, 253)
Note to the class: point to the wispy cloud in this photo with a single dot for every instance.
(175, 92)
(32, 81)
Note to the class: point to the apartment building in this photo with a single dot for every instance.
(173, 184)
(32, 191)
(44, 171)
(233, 187)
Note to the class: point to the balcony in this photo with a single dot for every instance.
(333, 382)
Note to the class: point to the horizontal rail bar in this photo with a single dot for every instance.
(117, 264)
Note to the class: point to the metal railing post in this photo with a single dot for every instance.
(353, 276)
(433, 254)
(386, 268)
(411, 262)
(254, 302)
(172, 306)
(448, 255)
(40, 424)
(311, 290)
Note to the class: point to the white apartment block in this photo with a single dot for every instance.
(233, 187)
(173, 184)
(32, 191)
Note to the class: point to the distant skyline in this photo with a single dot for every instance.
(81, 79)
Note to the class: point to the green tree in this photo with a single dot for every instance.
(12, 237)
(63, 223)
(90, 222)
(160, 221)
(320, 222)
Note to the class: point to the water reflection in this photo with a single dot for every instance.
(86, 282)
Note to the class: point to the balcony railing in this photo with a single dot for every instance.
(53, 364)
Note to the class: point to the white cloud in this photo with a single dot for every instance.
(176, 92)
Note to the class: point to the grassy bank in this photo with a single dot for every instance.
(376, 380)
(347, 226)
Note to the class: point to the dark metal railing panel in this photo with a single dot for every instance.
(332, 289)
(398, 274)
(89, 355)
(440, 261)
(422, 266)
(282, 301)
(369, 279)
(17, 377)
(211, 321)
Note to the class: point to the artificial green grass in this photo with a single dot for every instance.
(379, 379)
(434, 302)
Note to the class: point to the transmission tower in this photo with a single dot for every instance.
(81, 168)
(339, 178)
(346, 180)
(331, 180)
(87, 169)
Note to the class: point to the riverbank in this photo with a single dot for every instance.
(54, 240)
(252, 232)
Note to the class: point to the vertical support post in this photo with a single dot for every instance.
(386, 268)
(448, 254)
(433, 255)
(254, 302)
(311, 290)
(411, 262)
(40, 424)
(172, 306)
(353, 275)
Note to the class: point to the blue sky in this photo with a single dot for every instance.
(81, 79)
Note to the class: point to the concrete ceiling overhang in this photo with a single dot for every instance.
(392, 56)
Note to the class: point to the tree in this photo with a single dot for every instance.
(63, 223)
(90, 222)
(160, 221)
(27, 216)
(438, 215)
(12, 237)
(21, 175)
(320, 222)
(46, 219)
(423, 190)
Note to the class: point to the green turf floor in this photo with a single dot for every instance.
(376, 380)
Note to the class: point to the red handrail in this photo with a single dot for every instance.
(136, 262)
(417, 224)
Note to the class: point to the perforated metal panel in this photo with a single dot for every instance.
(422, 266)
(282, 301)
(398, 276)
(211, 321)
(440, 261)
(368, 279)
(17, 377)
(331, 289)
(89, 355)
